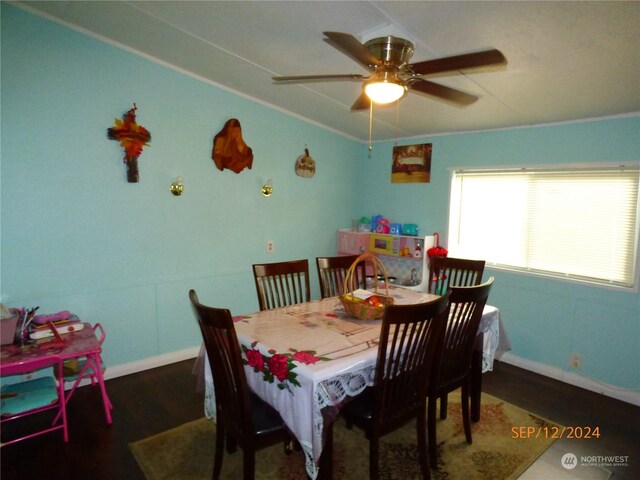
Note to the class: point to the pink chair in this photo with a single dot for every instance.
(34, 396)
(84, 370)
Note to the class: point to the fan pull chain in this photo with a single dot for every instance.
(395, 142)
(370, 125)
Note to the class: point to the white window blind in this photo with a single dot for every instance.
(577, 223)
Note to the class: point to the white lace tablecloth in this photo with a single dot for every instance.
(303, 358)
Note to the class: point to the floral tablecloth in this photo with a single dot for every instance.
(303, 358)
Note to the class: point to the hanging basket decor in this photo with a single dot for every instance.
(133, 138)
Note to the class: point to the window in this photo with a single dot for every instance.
(571, 223)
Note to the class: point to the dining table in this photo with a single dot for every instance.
(307, 360)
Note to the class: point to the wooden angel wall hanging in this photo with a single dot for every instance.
(133, 138)
(229, 149)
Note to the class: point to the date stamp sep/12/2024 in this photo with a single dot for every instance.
(555, 432)
(569, 460)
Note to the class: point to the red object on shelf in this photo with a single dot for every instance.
(437, 250)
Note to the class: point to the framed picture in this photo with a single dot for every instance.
(411, 164)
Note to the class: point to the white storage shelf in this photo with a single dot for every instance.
(397, 252)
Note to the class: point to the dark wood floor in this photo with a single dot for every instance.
(618, 422)
(156, 400)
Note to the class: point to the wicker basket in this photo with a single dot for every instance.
(358, 308)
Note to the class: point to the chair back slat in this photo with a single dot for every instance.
(446, 272)
(225, 360)
(466, 307)
(406, 354)
(282, 284)
(332, 272)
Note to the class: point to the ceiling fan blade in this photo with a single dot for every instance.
(363, 102)
(459, 62)
(440, 91)
(349, 45)
(317, 78)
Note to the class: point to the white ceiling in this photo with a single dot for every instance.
(567, 60)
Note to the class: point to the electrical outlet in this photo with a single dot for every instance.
(575, 361)
(270, 246)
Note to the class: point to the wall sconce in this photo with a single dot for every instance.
(177, 188)
(267, 188)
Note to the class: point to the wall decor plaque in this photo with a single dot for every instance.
(305, 165)
(411, 164)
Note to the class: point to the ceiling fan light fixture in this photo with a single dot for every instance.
(385, 88)
(384, 92)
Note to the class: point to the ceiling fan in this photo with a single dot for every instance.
(392, 76)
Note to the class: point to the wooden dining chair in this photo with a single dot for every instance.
(445, 272)
(282, 283)
(453, 367)
(406, 354)
(32, 397)
(332, 272)
(241, 416)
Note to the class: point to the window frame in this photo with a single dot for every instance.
(570, 278)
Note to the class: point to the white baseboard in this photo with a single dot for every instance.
(575, 379)
(150, 362)
(144, 364)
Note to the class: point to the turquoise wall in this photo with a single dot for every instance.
(545, 319)
(75, 235)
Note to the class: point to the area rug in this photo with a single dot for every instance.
(498, 451)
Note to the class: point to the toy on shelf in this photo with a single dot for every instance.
(383, 226)
(410, 229)
(364, 225)
(374, 222)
